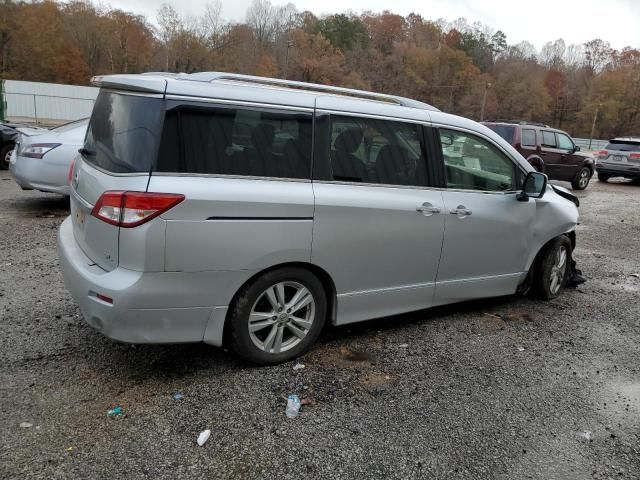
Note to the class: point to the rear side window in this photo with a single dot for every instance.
(230, 141)
(377, 151)
(622, 146)
(528, 138)
(548, 139)
(505, 131)
(122, 136)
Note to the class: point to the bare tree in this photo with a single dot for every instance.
(170, 24)
(262, 17)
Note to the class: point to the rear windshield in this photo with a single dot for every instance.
(622, 146)
(122, 136)
(505, 131)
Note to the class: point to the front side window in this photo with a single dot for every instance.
(230, 141)
(366, 150)
(564, 142)
(528, 137)
(548, 139)
(472, 163)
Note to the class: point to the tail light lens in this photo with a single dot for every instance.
(70, 175)
(38, 150)
(130, 209)
(603, 153)
(635, 156)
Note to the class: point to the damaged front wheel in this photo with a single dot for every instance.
(553, 268)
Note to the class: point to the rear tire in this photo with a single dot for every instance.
(267, 325)
(5, 155)
(582, 179)
(552, 268)
(603, 177)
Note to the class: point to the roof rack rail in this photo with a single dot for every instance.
(522, 122)
(314, 87)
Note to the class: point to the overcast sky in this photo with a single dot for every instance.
(538, 21)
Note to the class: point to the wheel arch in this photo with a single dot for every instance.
(324, 277)
(526, 284)
(536, 162)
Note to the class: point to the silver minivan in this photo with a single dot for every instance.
(250, 212)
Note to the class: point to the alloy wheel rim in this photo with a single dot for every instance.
(281, 317)
(7, 157)
(584, 178)
(558, 270)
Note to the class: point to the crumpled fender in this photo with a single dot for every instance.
(555, 216)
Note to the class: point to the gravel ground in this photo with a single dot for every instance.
(507, 388)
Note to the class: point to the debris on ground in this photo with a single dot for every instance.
(307, 402)
(403, 345)
(203, 437)
(178, 396)
(114, 412)
(635, 275)
(26, 425)
(293, 406)
(586, 435)
(521, 349)
(298, 366)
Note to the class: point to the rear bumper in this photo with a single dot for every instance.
(628, 171)
(148, 307)
(36, 174)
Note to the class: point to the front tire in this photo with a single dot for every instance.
(552, 269)
(603, 177)
(582, 179)
(5, 155)
(277, 316)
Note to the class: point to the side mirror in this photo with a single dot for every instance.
(535, 185)
(576, 148)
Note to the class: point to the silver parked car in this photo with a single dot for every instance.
(248, 211)
(42, 158)
(620, 158)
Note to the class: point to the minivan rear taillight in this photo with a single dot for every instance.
(130, 209)
(634, 156)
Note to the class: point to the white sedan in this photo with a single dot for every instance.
(42, 158)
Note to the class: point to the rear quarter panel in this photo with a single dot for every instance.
(236, 223)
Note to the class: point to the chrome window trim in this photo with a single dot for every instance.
(235, 177)
(409, 187)
(239, 103)
(377, 185)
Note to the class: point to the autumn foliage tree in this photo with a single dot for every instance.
(452, 65)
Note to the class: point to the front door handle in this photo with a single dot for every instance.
(461, 211)
(427, 209)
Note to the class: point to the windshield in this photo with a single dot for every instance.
(122, 133)
(505, 131)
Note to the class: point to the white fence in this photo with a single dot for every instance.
(588, 144)
(48, 103)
